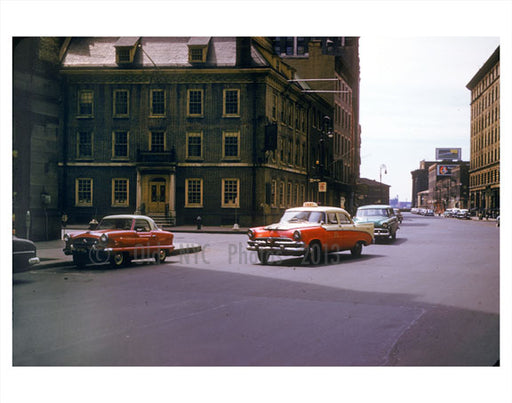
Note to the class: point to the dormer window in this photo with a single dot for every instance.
(126, 47)
(198, 49)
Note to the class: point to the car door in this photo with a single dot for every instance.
(144, 238)
(334, 232)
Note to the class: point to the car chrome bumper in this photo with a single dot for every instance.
(277, 247)
(381, 232)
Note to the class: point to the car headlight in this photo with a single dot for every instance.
(297, 235)
(385, 225)
(66, 238)
(250, 234)
(103, 238)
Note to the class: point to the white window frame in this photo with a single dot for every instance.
(85, 157)
(224, 95)
(79, 103)
(236, 204)
(195, 115)
(188, 204)
(151, 113)
(226, 134)
(79, 203)
(115, 113)
(190, 135)
(123, 157)
(126, 203)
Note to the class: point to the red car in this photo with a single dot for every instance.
(118, 239)
(310, 231)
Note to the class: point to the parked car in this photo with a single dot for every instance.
(383, 218)
(309, 231)
(399, 215)
(24, 254)
(429, 212)
(463, 214)
(119, 239)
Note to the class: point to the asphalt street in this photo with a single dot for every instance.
(430, 298)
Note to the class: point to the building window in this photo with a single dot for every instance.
(157, 141)
(281, 194)
(194, 193)
(121, 103)
(157, 103)
(120, 144)
(120, 192)
(231, 145)
(84, 145)
(289, 194)
(230, 193)
(83, 192)
(195, 103)
(231, 103)
(85, 103)
(194, 145)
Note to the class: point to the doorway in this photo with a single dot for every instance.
(157, 190)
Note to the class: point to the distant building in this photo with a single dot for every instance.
(420, 182)
(371, 192)
(484, 172)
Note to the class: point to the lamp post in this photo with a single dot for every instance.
(382, 167)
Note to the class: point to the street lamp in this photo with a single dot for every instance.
(382, 167)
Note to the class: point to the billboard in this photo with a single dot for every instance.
(453, 154)
(445, 170)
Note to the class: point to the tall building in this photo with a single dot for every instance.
(183, 127)
(484, 171)
(329, 66)
(37, 122)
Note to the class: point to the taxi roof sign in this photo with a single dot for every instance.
(310, 204)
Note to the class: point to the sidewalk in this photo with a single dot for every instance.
(51, 255)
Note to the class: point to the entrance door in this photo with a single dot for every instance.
(157, 195)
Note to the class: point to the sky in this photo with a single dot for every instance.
(413, 100)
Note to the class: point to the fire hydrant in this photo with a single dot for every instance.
(199, 222)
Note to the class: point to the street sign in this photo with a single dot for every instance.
(322, 186)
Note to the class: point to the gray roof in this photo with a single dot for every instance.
(171, 52)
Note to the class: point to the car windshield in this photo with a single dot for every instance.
(303, 216)
(372, 212)
(115, 223)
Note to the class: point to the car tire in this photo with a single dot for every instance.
(314, 253)
(357, 249)
(263, 257)
(118, 259)
(160, 256)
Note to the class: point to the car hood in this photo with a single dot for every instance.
(291, 226)
(373, 219)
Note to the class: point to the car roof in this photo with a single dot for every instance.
(129, 217)
(375, 206)
(322, 209)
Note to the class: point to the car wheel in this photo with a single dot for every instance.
(357, 249)
(315, 252)
(160, 256)
(263, 256)
(80, 261)
(118, 259)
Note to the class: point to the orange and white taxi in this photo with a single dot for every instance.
(310, 231)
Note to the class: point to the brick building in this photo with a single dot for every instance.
(484, 172)
(178, 128)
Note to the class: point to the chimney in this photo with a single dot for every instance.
(243, 51)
